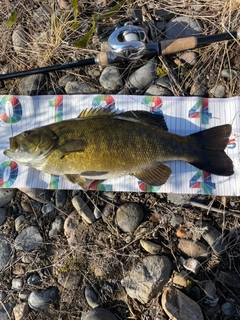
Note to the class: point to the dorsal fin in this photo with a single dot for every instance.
(96, 112)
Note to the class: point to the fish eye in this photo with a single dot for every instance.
(25, 134)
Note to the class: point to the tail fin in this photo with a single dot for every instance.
(210, 145)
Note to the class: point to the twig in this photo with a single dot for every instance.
(203, 206)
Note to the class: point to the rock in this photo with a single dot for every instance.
(218, 91)
(17, 284)
(156, 90)
(214, 238)
(178, 306)
(48, 208)
(64, 4)
(40, 300)
(150, 247)
(6, 310)
(3, 215)
(228, 309)
(186, 58)
(71, 229)
(192, 265)
(182, 27)
(6, 196)
(65, 79)
(34, 280)
(124, 92)
(178, 199)
(70, 280)
(176, 220)
(33, 85)
(97, 213)
(91, 297)
(19, 222)
(29, 239)
(108, 210)
(229, 74)
(19, 269)
(83, 209)
(198, 89)
(60, 198)
(111, 79)
(26, 206)
(20, 311)
(56, 227)
(23, 295)
(181, 278)
(79, 87)
(129, 216)
(210, 293)
(3, 295)
(40, 195)
(18, 40)
(143, 77)
(5, 251)
(193, 249)
(99, 314)
(147, 279)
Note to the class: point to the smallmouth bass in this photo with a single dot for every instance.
(101, 144)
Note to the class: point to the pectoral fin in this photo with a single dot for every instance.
(72, 146)
(76, 178)
(155, 175)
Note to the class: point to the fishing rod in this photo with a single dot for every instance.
(129, 42)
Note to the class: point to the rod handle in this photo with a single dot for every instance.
(176, 45)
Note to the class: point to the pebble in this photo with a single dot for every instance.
(192, 265)
(56, 227)
(209, 289)
(214, 238)
(193, 249)
(3, 295)
(182, 27)
(129, 216)
(18, 39)
(108, 210)
(181, 278)
(70, 280)
(79, 87)
(91, 297)
(97, 213)
(99, 314)
(47, 208)
(228, 309)
(24, 294)
(19, 269)
(176, 220)
(17, 284)
(19, 222)
(20, 311)
(6, 310)
(29, 239)
(6, 196)
(71, 229)
(150, 246)
(147, 279)
(40, 300)
(65, 79)
(3, 216)
(143, 77)
(156, 90)
(218, 91)
(26, 206)
(198, 89)
(178, 199)
(40, 195)
(33, 85)
(111, 79)
(229, 74)
(83, 209)
(34, 280)
(5, 251)
(187, 58)
(60, 198)
(179, 306)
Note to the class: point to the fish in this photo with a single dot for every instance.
(100, 144)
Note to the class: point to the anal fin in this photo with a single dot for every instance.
(76, 178)
(156, 175)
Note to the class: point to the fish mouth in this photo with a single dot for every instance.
(13, 144)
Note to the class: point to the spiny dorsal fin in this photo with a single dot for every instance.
(96, 112)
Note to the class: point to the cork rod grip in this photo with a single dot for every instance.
(176, 45)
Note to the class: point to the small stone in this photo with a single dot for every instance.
(229, 74)
(19, 269)
(214, 238)
(40, 195)
(178, 199)
(124, 92)
(193, 249)
(219, 91)
(79, 87)
(97, 213)
(48, 208)
(26, 258)
(33, 85)
(83, 209)
(147, 278)
(91, 297)
(192, 265)
(182, 27)
(72, 229)
(23, 295)
(111, 79)
(6, 196)
(70, 280)
(3, 215)
(176, 220)
(99, 314)
(179, 306)
(181, 279)
(6, 310)
(40, 300)
(60, 198)
(3, 295)
(34, 280)
(19, 222)
(156, 90)
(150, 247)
(20, 311)
(187, 58)
(198, 89)
(5, 251)
(26, 206)
(64, 4)
(228, 309)
(209, 289)
(65, 79)
(143, 77)
(129, 216)
(108, 210)
(57, 227)
(17, 284)
(29, 239)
